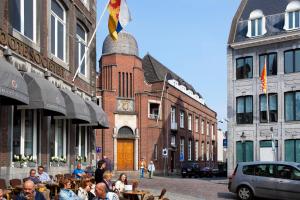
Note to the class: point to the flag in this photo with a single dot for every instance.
(119, 17)
(263, 78)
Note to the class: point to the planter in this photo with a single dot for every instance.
(31, 164)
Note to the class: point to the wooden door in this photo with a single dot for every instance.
(125, 160)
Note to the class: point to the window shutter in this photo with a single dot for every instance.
(239, 152)
(289, 150)
(249, 151)
(297, 151)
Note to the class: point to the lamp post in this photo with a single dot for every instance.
(273, 144)
(243, 138)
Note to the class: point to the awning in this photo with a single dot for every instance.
(98, 116)
(13, 88)
(44, 95)
(77, 109)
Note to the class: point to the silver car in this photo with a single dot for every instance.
(274, 180)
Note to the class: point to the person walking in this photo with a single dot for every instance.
(100, 171)
(151, 169)
(108, 162)
(142, 167)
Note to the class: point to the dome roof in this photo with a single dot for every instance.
(256, 14)
(293, 6)
(126, 44)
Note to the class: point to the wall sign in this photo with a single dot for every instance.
(31, 54)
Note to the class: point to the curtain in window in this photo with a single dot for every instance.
(15, 14)
(297, 150)
(249, 151)
(28, 18)
(288, 61)
(289, 146)
(239, 152)
(244, 151)
(17, 132)
(59, 139)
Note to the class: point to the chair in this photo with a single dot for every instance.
(59, 177)
(67, 175)
(162, 194)
(2, 184)
(15, 182)
(25, 179)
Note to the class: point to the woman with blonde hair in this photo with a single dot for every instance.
(107, 181)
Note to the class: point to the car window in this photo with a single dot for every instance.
(248, 169)
(284, 171)
(266, 170)
(295, 174)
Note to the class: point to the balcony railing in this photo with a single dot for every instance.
(174, 126)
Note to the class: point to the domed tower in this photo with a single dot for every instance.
(121, 77)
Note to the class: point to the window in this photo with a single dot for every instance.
(202, 150)
(212, 129)
(244, 151)
(271, 61)
(86, 3)
(22, 15)
(207, 128)
(284, 172)
(197, 125)
(58, 30)
(292, 106)
(182, 149)
(244, 110)
(267, 151)
(81, 141)
(25, 132)
(155, 152)
(190, 150)
(272, 102)
(292, 16)
(81, 46)
(244, 68)
(202, 126)
(173, 141)
(153, 110)
(266, 170)
(207, 151)
(173, 114)
(212, 150)
(190, 122)
(256, 24)
(292, 150)
(197, 150)
(248, 169)
(181, 119)
(292, 61)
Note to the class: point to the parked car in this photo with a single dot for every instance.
(274, 180)
(190, 169)
(206, 172)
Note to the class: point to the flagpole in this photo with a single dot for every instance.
(162, 94)
(86, 49)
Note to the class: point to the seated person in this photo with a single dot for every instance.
(89, 170)
(43, 176)
(29, 192)
(107, 181)
(1, 195)
(78, 172)
(120, 184)
(66, 193)
(100, 191)
(84, 189)
(33, 177)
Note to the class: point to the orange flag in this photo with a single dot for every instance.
(263, 78)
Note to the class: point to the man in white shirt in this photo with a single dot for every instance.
(43, 176)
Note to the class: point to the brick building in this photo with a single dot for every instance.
(43, 114)
(145, 117)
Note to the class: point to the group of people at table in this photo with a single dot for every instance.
(101, 187)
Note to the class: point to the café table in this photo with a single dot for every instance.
(135, 193)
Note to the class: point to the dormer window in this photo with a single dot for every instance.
(256, 24)
(292, 16)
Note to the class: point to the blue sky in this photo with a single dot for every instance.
(189, 37)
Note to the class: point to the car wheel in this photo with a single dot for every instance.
(244, 193)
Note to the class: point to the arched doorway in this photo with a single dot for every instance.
(125, 149)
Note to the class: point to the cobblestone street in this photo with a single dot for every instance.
(188, 188)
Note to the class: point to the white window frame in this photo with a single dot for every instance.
(207, 128)
(292, 7)
(173, 114)
(57, 18)
(84, 42)
(212, 127)
(64, 138)
(202, 150)
(255, 16)
(22, 21)
(196, 150)
(151, 116)
(173, 140)
(202, 126)
(22, 139)
(207, 151)
(182, 147)
(196, 124)
(189, 122)
(181, 119)
(190, 150)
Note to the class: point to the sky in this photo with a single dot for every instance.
(188, 37)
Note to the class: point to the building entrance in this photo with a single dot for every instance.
(125, 161)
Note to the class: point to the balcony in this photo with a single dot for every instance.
(174, 126)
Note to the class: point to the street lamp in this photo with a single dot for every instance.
(243, 139)
(273, 144)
